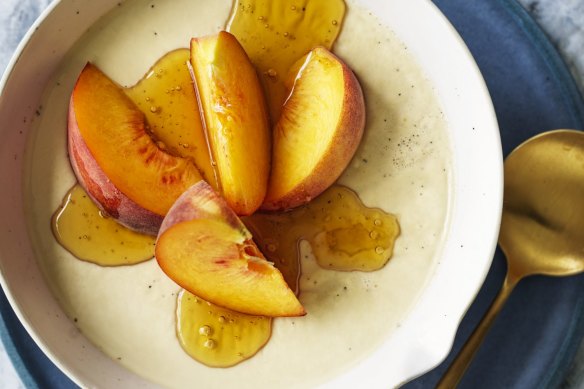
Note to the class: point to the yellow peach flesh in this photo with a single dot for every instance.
(217, 262)
(114, 130)
(318, 132)
(235, 119)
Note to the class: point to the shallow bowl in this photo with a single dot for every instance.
(425, 333)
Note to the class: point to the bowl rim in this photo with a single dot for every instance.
(428, 326)
(4, 79)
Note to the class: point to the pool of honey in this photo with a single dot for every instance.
(401, 167)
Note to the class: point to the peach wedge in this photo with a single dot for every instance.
(235, 119)
(318, 132)
(116, 160)
(204, 247)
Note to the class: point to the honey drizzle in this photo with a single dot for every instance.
(217, 336)
(167, 98)
(276, 34)
(344, 234)
(87, 233)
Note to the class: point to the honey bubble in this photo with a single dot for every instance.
(205, 330)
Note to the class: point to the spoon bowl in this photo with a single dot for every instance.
(542, 226)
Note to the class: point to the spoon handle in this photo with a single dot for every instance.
(456, 370)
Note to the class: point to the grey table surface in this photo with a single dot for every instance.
(562, 20)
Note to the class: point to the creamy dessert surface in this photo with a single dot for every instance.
(402, 166)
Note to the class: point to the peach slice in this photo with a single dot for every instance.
(116, 160)
(318, 132)
(235, 118)
(204, 247)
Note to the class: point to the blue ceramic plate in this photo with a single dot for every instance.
(535, 338)
(533, 341)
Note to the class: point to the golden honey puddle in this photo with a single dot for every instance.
(216, 336)
(344, 234)
(167, 98)
(87, 233)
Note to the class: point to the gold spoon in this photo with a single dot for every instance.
(542, 228)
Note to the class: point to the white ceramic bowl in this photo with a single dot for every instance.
(426, 333)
